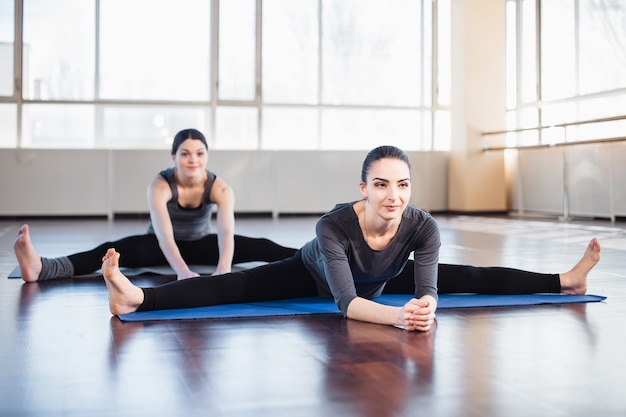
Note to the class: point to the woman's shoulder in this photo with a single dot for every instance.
(413, 211)
(340, 212)
(340, 217)
(415, 214)
(211, 175)
(167, 174)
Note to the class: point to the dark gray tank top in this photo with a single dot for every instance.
(189, 223)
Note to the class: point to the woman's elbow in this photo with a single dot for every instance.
(347, 308)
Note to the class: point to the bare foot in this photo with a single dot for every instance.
(574, 281)
(27, 258)
(124, 297)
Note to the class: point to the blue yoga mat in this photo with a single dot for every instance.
(317, 305)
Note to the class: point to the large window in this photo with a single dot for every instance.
(251, 74)
(8, 110)
(566, 63)
(7, 36)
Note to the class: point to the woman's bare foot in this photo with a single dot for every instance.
(124, 297)
(574, 281)
(27, 258)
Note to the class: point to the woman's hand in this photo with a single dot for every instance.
(186, 274)
(222, 269)
(419, 314)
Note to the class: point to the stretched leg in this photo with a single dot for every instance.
(498, 280)
(205, 251)
(494, 280)
(403, 283)
(27, 257)
(481, 280)
(139, 251)
(248, 249)
(287, 278)
(142, 250)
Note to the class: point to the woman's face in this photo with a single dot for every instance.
(191, 157)
(388, 187)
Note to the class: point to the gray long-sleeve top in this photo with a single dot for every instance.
(345, 267)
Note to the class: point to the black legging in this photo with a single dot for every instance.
(144, 251)
(289, 278)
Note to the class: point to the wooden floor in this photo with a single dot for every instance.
(62, 354)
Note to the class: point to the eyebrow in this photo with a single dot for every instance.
(384, 180)
(193, 150)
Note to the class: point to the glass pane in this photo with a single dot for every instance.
(610, 106)
(444, 52)
(58, 126)
(425, 76)
(7, 37)
(59, 47)
(443, 135)
(602, 46)
(552, 114)
(367, 129)
(372, 52)
(290, 51)
(511, 55)
(528, 76)
(290, 128)
(8, 125)
(558, 50)
(528, 117)
(236, 128)
(237, 50)
(597, 131)
(166, 59)
(596, 108)
(510, 139)
(149, 127)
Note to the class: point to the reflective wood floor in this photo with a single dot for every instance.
(62, 354)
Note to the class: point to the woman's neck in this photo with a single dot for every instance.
(189, 181)
(377, 232)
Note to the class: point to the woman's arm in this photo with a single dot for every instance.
(417, 314)
(159, 193)
(224, 198)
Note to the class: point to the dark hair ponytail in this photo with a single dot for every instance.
(185, 134)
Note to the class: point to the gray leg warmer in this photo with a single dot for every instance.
(56, 268)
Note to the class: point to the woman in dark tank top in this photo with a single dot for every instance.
(181, 201)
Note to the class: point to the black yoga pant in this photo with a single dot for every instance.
(144, 251)
(289, 278)
(479, 279)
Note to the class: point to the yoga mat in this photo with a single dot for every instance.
(151, 270)
(317, 305)
(130, 272)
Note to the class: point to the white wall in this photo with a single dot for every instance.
(67, 182)
(55, 182)
(582, 180)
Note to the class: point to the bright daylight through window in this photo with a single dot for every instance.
(297, 74)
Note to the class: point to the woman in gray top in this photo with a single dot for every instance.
(360, 251)
(181, 201)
